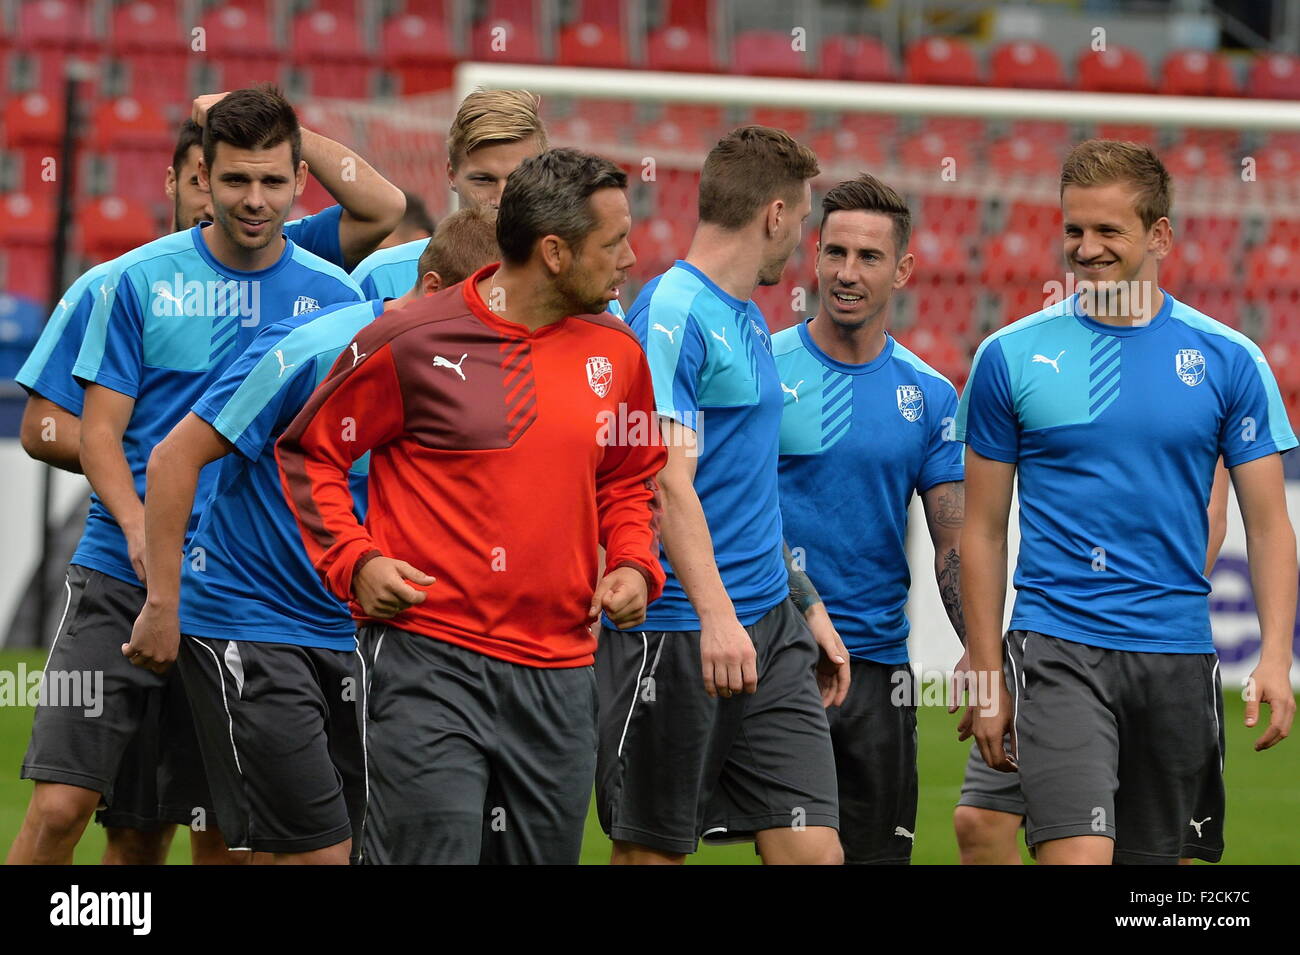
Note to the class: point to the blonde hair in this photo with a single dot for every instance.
(488, 117)
(1101, 162)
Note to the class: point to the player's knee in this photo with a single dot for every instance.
(208, 847)
(979, 837)
(61, 811)
(629, 853)
(134, 847)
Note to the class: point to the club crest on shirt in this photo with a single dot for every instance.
(305, 304)
(762, 334)
(911, 402)
(600, 374)
(1190, 365)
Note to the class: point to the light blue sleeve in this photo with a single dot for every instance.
(986, 418)
(1256, 421)
(112, 353)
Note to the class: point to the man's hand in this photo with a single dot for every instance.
(620, 595)
(832, 658)
(1271, 685)
(199, 110)
(155, 638)
(992, 720)
(381, 589)
(958, 692)
(727, 657)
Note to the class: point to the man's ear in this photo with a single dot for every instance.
(205, 182)
(169, 184)
(1162, 238)
(776, 210)
(903, 271)
(554, 252)
(430, 282)
(451, 178)
(300, 179)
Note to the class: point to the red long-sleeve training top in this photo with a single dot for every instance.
(499, 457)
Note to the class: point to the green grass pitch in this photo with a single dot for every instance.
(1263, 817)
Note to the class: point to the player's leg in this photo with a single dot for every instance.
(778, 781)
(132, 831)
(184, 797)
(426, 745)
(1170, 804)
(260, 717)
(543, 763)
(137, 846)
(93, 703)
(989, 814)
(1068, 745)
(662, 744)
(874, 737)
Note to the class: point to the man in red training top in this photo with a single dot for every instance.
(509, 422)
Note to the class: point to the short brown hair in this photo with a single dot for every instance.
(490, 117)
(1101, 162)
(551, 194)
(747, 169)
(866, 193)
(257, 117)
(464, 242)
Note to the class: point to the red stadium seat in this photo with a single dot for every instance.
(1144, 135)
(957, 215)
(26, 219)
(687, 13)
(1271, 266)
(1024, 64)
(161, 79)
(1283, 232)
(1036, 218)
(878, 126)
(942, 256)
(793, 121)
(1019, 258)
(59, 24)
(593, 45)
(418, 49)
(1052, 133)
(767, 53)
(671, 134)
(112, 226)
(946, 307)
(147, 25)
(709, 118)
(1197, 73)
(1118, 69)
(340, 80)
(27, 270)
(604, 12)
(679, 48)
(47, 71)
(239, 33)
(660, 242)
(938, 59)
(938, 349)
(861, 58)
(936, 153)
(128, 124)
(1193, 161)
(967, 128)
(33, 120)
(1021, 156)
(511, 41)
(1221, 303)
(849, 147)
(1276, 163)
(1223, 232)
(1274, 76)
(675, 193)
(321, 36)
(1017, 301)
(1192, 262)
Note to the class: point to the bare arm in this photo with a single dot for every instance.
(727, 653)
(1270, 547)
(51, 434)
(983, 586)
(945, 511)
(372, 206)
(1218, 512)
(172, 477)
(833, 672)
(103, 422)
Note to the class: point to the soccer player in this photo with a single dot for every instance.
(369, 206)
(171, 316)
(865, 425)
(510, 428)
(493, 132)
(1111, 408)
(269, 661)
(674, 759)
(991, 808)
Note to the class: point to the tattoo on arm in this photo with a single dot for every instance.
(802, 591)
(949, 576)
(950, 505)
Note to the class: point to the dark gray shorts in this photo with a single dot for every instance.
(279, 727)
(1119, 743)
(874, 735)
(474, 760)
(100, 709)
(675, 765)
(985, 788)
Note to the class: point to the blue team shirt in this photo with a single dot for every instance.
(48, 369)
(227, 589)
(1115, 432)
(710, 359)
(856, 442)
(319, 234)
(168, 321)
